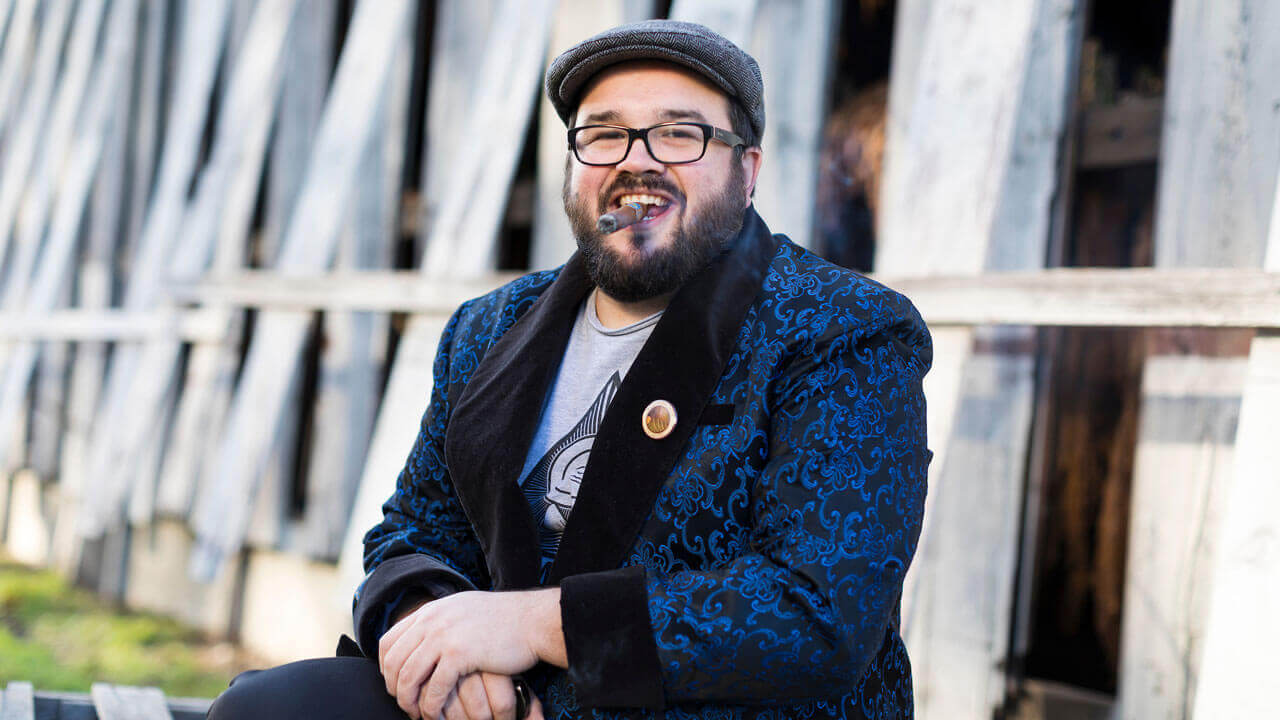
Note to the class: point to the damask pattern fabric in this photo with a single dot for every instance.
(761, 576)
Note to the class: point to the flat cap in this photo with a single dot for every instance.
(694, 46)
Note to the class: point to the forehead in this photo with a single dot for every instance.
(651, 91)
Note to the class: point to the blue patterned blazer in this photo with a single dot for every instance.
(750, 564)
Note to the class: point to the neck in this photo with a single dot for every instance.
(614, 313)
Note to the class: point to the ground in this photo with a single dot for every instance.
(63, 638)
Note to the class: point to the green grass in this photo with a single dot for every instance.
(60, 637)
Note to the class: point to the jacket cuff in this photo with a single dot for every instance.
(396, 579)
(613, 659)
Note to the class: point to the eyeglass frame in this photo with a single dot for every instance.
(709, 133)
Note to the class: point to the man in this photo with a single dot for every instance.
(682, 474)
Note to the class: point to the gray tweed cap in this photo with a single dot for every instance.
(694, 46)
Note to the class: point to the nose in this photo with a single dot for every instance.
(638, 160)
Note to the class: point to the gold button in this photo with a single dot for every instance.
(659, 419)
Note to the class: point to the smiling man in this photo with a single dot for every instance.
(683, 473)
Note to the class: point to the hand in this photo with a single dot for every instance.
(424, 656)
(486, 696)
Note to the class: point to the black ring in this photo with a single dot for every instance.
(522, 697)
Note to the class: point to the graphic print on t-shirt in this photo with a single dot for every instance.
(552, 485)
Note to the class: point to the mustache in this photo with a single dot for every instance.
(634, 183)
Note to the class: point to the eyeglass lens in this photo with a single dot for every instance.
(670, 143)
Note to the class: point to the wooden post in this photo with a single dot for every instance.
(575, 21)
(1000, 73)
(1220, 151)
(222, 512)
(1243, 629)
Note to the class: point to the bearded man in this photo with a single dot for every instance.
(683, 474)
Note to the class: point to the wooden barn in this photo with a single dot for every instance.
(231, 232)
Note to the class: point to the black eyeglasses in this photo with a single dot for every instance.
(673, 143)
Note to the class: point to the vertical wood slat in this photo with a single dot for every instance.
(301, 105)
(575, 20)
(13, 63)
(201, 42)
(794, 43)
(1243, 630)
(1000, 72)
(1220, 151)
(355, 343)
(507, 81)
(221, 514)
(734, 19)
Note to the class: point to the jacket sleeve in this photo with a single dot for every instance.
(836, 515)
(424, 547)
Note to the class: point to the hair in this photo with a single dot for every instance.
(741, 126)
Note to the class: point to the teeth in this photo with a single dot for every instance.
(645, 199)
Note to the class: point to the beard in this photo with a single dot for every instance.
(697, 238)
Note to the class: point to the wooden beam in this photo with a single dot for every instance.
(734, 19)
(13, 63)
(1220, 154)
(122, 702)
(17, 702)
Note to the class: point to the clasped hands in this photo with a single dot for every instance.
(455, 657)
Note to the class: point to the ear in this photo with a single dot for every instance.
(752, 157)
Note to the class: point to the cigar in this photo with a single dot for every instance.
(628, 214)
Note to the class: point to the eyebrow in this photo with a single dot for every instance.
(612, 116)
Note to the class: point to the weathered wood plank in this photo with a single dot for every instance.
(219, 216)
(54, 268)
(356, 343)
(13, 63)
(1243, 629)
(203, 36)
(18, 702)
(1000, 73)
(122, 702)
(458, 47)
(21, 148)
(733, 19)
(575, 20)
(461, 240)
(1221, 149)
(221, 513)
(793, 42)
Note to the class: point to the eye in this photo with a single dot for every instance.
(679, 132)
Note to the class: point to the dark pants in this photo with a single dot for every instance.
(324, 689)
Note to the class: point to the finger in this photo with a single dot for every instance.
(392, 654)
(473, 697)
(443, 678)
(413, 675)
(501, 693)
(454, 709)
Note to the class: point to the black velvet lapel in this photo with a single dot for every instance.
(681, 363)
(493, 424)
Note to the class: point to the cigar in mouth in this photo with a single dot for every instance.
(629, 214)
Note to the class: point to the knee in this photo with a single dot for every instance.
(242, 700)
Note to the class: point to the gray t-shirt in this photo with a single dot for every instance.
(595, 361)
